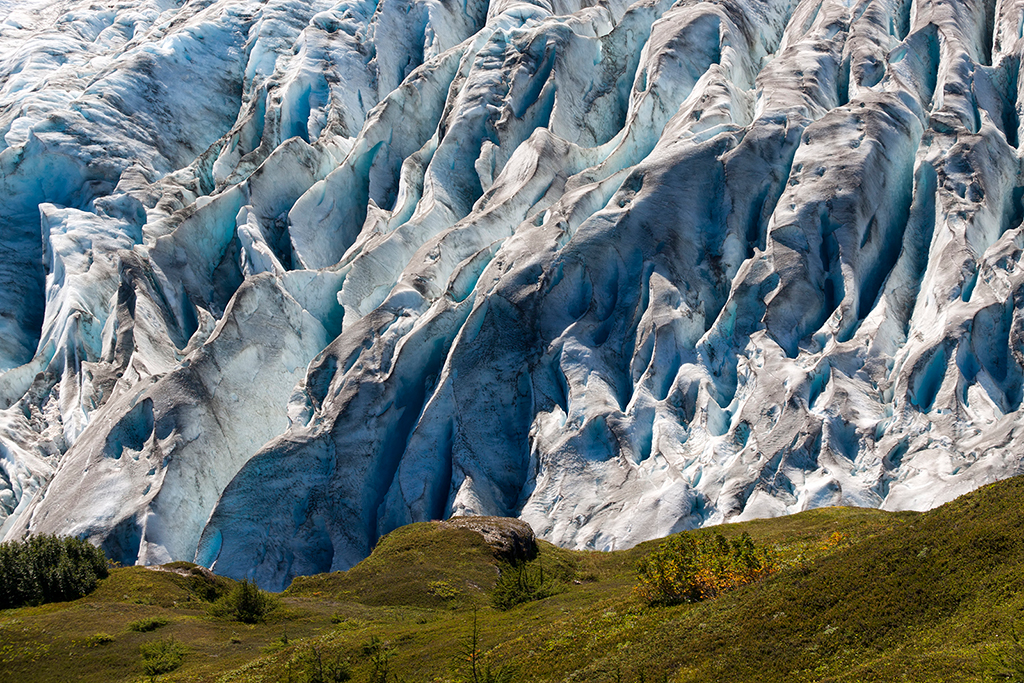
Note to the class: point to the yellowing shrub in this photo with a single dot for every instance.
(696, 567)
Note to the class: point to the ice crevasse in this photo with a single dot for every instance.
(279, 276)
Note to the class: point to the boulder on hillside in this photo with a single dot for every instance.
(510, 539)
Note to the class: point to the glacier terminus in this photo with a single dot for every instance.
(279, 276)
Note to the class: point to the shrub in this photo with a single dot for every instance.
(443, 589)
(320, 668)
(147, 625)
(161, 656)
(99, 639)
(48, 569)
(246, 603)
(519, 583)
(379, 655)
(690, 567)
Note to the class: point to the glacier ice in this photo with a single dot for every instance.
(278, 276)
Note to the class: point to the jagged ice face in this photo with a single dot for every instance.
(278, 277)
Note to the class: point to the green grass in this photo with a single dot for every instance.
(864, 596)
(426, 566)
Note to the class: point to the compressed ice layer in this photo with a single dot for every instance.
(279, 277)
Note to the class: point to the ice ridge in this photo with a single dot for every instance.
(278, 276)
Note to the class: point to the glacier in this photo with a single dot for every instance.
(279, 276)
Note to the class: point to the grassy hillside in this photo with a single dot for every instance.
(863, 595)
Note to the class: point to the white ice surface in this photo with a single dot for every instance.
(277, 277)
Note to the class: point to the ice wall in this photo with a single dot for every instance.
(278, 277)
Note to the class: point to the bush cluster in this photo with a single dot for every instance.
(692, 567)
(246, 603)
(161, 656)
(147, 625)
(519, 583)
(48, 569)
(320, 667)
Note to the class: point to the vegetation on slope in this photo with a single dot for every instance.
(695, 567)
(856, 595)
(47, 568)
